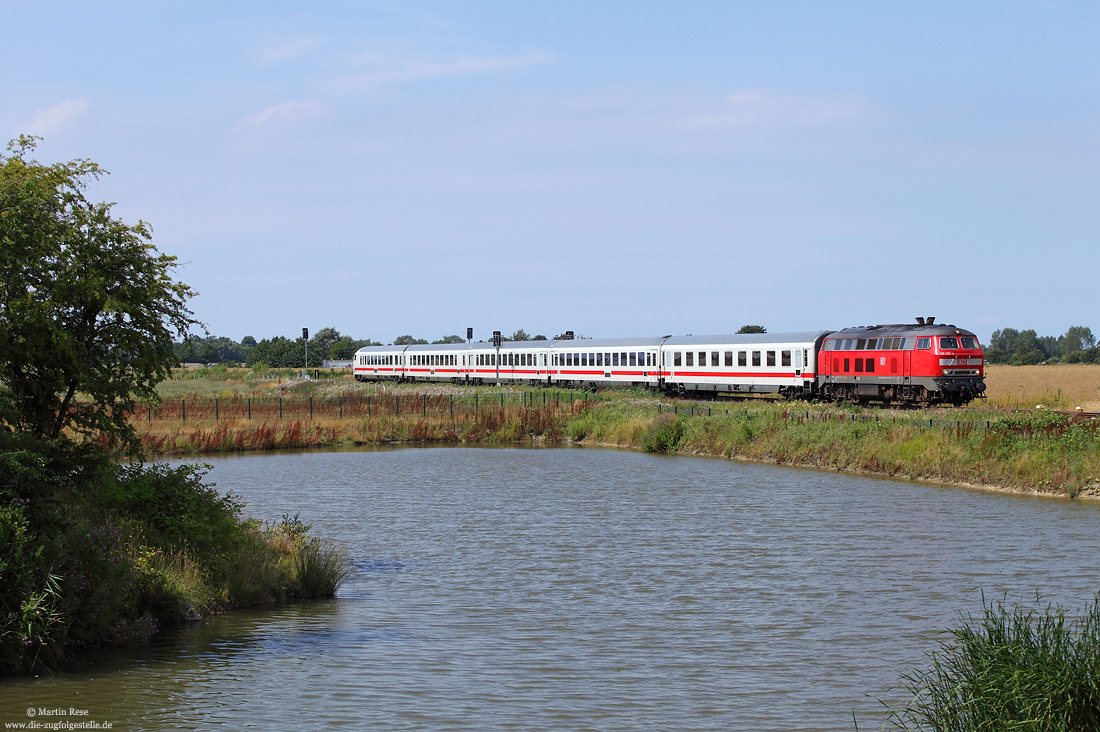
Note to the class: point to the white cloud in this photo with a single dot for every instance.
(381, 71)
(290, 49)
(278, 115)
(53, 119)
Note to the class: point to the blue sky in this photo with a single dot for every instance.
(615, 168)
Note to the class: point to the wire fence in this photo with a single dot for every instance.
(466, 406)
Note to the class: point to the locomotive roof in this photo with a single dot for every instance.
(905, 329)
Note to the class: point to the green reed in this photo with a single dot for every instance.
(1014, 668)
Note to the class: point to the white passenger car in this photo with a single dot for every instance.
(783, 363)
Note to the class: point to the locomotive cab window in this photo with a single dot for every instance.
(969, 342)
(949, 342)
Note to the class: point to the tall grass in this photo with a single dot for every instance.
(1015, 668)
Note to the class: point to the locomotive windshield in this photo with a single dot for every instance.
(969, 342)
(949, 342)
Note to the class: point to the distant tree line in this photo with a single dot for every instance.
(327, 344)
(282, 352)
(1022, 347)
(277, 352)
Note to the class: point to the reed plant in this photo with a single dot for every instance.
(1014, 668)
(320, 569)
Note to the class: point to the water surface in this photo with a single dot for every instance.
(567, 589)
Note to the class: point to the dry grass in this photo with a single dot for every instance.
(1064, 386)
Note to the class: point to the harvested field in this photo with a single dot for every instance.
(1062, 386)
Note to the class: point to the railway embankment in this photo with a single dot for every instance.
(1034, 452)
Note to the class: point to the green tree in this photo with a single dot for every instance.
(343, 349)
(89, 309)
(752, 329)
(408, 340)
(451, 339)
(1077, 338)
(322, 342)
(1016, 347)
(520, 335)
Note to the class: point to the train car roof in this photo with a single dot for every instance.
(809, 336)
(582, 344)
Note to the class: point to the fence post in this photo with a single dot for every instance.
(216, 417)
(423, 405)
(452, 406)
(250, 408)
(183, 409)
(311, 406)
(397, 405)
(341, 407)
(280, 407)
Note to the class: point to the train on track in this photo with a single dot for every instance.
(920, 363)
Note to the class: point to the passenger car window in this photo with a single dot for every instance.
(742, 358)
(786, 358)
(756, 358)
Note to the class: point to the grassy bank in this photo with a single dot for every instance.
(1043, 452)
(97, 553)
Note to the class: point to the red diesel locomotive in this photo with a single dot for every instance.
(922, 363)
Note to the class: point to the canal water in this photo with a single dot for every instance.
(579, 589)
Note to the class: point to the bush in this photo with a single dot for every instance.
(30, 619)
(176, 507)
(1018, 669)
(663, 434)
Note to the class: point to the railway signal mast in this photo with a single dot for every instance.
(305, 339)
(496, 345)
